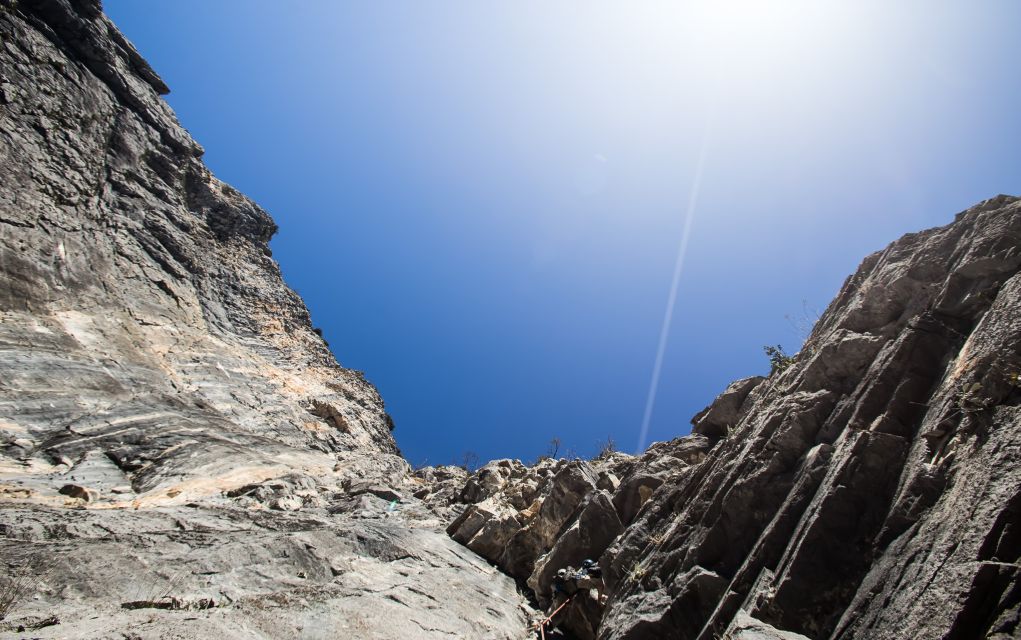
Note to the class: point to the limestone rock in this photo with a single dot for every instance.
(586, 538)
(745, 627)
(865, 489)
(174, 434)
(868, 488)
(717, 419)
(575, 509)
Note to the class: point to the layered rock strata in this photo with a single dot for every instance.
(180, 454)
(869, 490)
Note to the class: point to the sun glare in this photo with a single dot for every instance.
(743, 34)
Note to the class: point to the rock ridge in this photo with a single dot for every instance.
(182, 456)
(869, 488)
(180, 453)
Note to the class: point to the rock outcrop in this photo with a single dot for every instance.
(869, 490)
(178, 448)
(533, 521)
(181, 455)
(872, 486)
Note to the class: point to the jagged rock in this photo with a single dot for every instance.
(859, 492)
(586, 538)
(745, 627)
(716, 420)
(286, 503)
(608, 481)
(490, 479)
(157, 369)
(485, 529)
(633, 494)
(568, 488)
(357, 488)
(820, 502)
(573, 514)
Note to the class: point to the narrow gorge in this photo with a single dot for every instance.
(181, 456)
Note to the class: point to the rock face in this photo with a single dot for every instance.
(173, 431)
(181, 455)
(533, 521)
(870, 488)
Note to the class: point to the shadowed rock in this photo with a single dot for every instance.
(867, 488)
(176, 437)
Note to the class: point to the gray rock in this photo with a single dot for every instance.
(745, 627)
(220, 462)
(725, 411)
(381, 491)
(586, 538)
(159, 373)
(866, 489)
(862, 491)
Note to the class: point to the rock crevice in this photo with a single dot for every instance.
(176, 436)
(849, 495)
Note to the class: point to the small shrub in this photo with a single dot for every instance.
(469, 461)
(18, 583)
(778, 358)
(155, 593)
(970, 398)
(805, 321)
(606, 448)
(636, 572)
(553, 449)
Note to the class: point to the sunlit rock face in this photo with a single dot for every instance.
(870, 490)
(531, 521)
(871, 487)
(173, 431)
(181, 456)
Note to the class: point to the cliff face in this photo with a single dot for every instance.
(868, 490)
(180, 454)
(140, 300)
(170, 422)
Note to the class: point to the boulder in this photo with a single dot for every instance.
(632, 494)
(585, 538)
(79, 492)
(745, 627)
(716, 420)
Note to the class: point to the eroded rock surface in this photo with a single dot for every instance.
(178, 446)
(181, 456)
(869, 488)
(533, 521)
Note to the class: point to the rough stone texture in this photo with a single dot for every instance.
(532, 521)
(871, 487)
(716, 420)
(227, 571)
(181, 456)
(745, 627)
(173, 431)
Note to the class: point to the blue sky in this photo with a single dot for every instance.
(482, 203)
